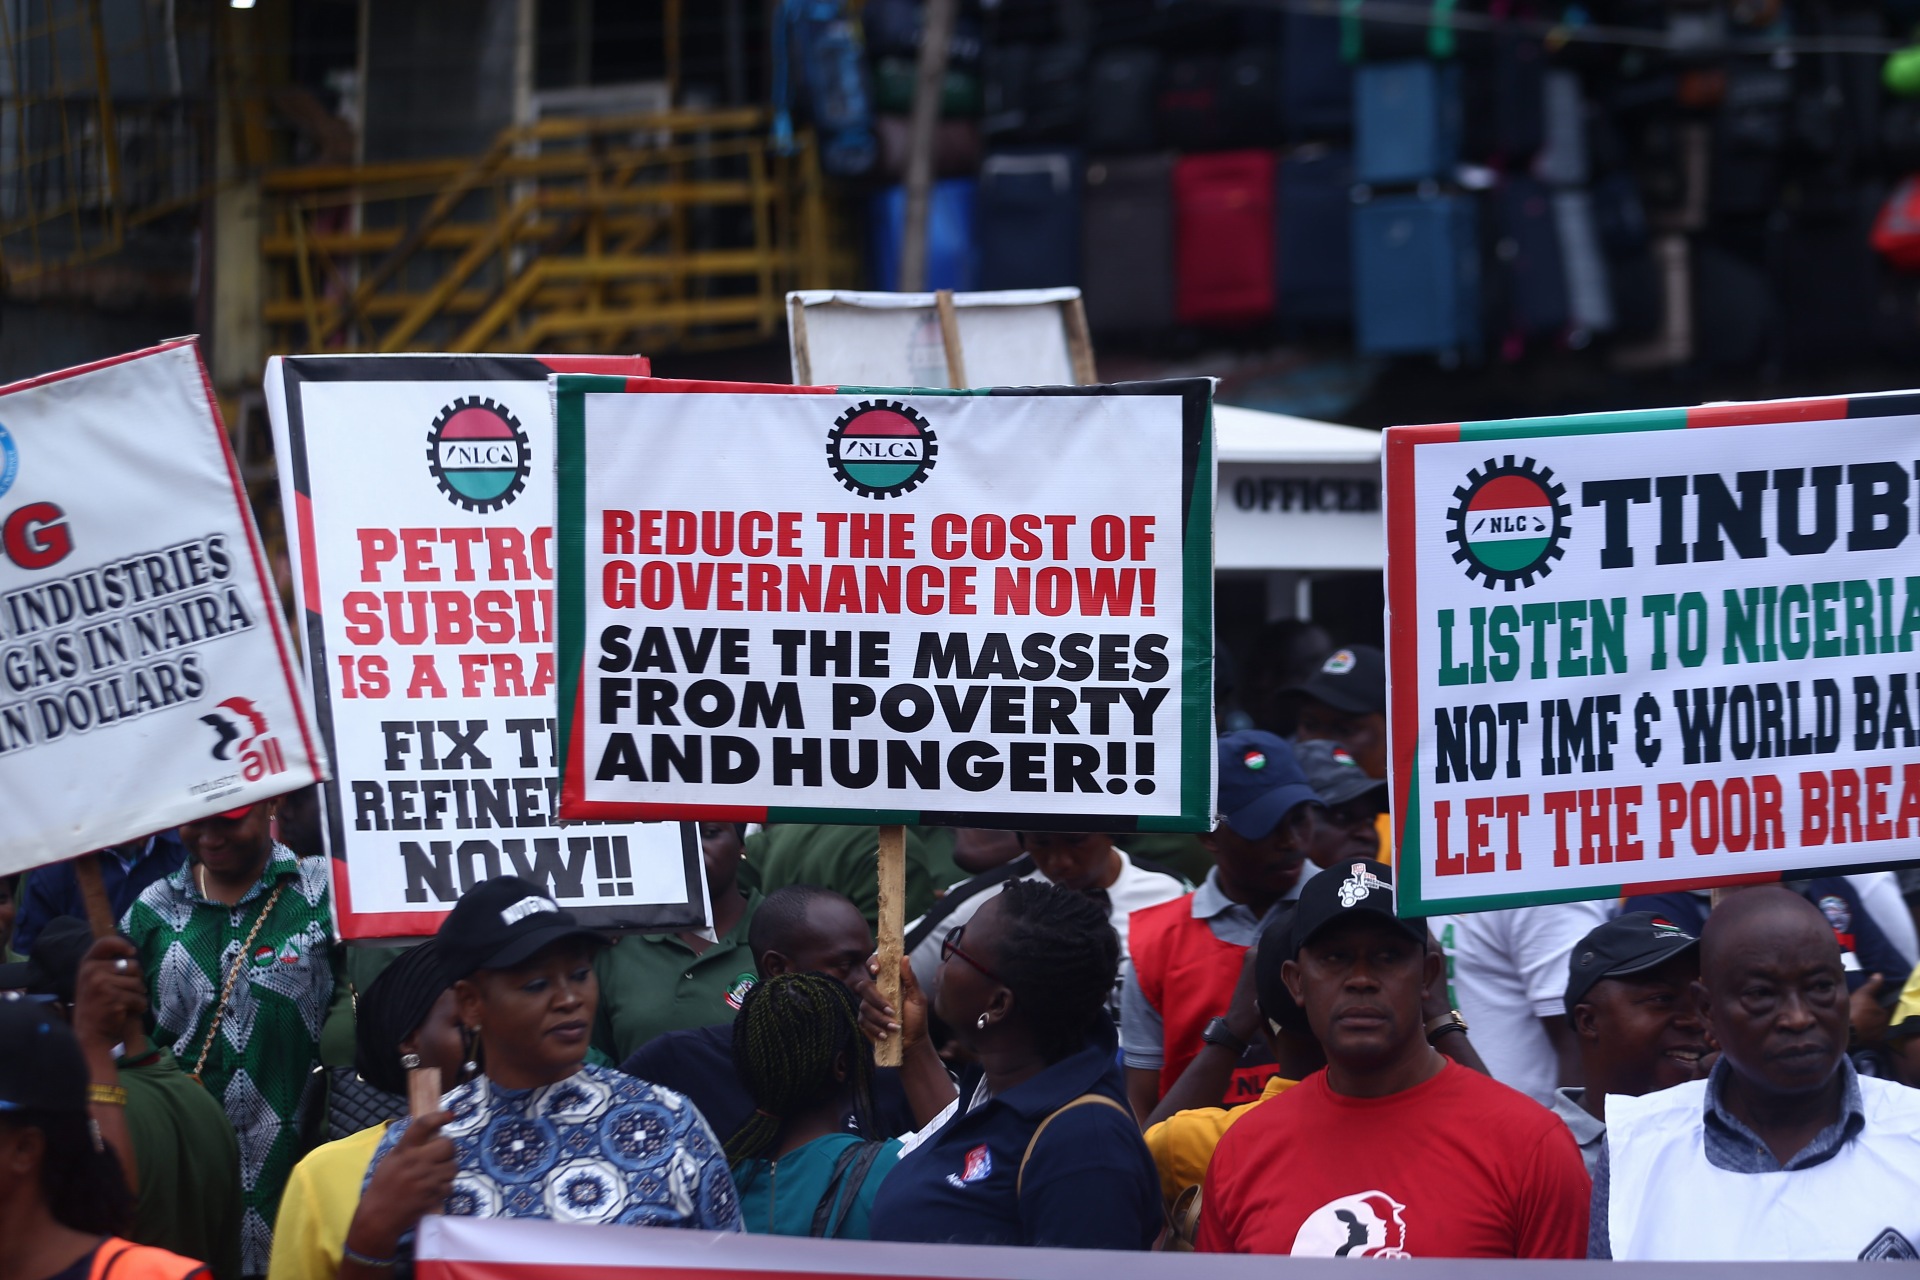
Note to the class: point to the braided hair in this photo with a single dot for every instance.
(1059, 957)
(790, 1030)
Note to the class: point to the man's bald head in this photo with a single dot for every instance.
(1774, 991)
(1769, 910)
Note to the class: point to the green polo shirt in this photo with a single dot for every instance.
(189, 1165)
(653, 982)
(844, 859)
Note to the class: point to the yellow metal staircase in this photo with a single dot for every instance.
(569, 235)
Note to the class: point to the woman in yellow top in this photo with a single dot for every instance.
(407, 1012)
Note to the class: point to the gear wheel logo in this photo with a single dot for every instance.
(1508, 523)
(479, 455)
(881, 449)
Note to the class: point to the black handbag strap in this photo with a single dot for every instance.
(850, 1171)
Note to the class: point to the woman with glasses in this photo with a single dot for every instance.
(1040, 1148)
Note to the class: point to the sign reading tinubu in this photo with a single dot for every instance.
(419, 489)
(810, 604)
(1673, 647)
(145, 679)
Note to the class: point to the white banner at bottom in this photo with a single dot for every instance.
(522, 1249)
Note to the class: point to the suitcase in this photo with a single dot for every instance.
(1313, 260)
(1416, 276)
(1033, 93)
(1029, 220)
(1192, 115)
(1505, 80)
(956, 147)
(1407, 121)
(1123, 88)
(1671, 256)
(1562, 158)
(1532, 268)
(1829, 285)
(1316, 83)
(1733, 308)
(1250, 98)
(950, 231)
(1750, 142)
(1223, 223)
(1126, 272)
(1589, 292)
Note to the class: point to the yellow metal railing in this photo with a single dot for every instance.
(571, 235)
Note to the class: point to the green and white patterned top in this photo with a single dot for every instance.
(261, 1064)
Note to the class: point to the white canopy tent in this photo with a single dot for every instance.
(1295, 497)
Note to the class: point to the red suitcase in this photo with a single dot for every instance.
(1223, 215)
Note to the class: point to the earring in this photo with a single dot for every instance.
(981, 1022)
(470, 1041)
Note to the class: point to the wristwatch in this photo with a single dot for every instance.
(1440, 1026)
(1218, 1033)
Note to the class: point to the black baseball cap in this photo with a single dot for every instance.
(1260, 782)
(501, 922)
(42, 1068)
(1350, 887)
(1277, 1004)
(1353, 679)
(54, 966)
(1623, 946)
(1335, 776)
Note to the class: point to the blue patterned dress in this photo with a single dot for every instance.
(598, 1147)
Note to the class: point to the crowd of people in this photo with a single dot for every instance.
(1227, 1044)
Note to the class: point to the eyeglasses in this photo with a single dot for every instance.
(950, 947)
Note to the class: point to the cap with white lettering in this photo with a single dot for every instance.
(502, 922)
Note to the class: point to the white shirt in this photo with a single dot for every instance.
(1506, 970)
(1133, 890)
(1880, 895)
(1668, 1201)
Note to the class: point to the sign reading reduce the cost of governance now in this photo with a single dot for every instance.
(1662, 648)
(809, 604)
(145, 679)
(419, 491)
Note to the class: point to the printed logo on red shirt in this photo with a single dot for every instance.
(1367, 1225)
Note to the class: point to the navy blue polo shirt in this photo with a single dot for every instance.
(698, 1062)
(54, 890)
(1091, 1183)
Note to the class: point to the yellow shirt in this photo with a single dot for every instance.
(1909, 1006)
(322, 1193)
(1183, 1143)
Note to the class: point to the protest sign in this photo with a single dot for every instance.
(1646, 650)
(1007, 338)
(420, 489)
(144, 677)
(810, 604)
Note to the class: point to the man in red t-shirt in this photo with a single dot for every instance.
(1392, 1151)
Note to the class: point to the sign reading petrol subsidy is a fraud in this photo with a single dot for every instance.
(819, 604)
(144, 677)
(420, 491)
(1625, 653)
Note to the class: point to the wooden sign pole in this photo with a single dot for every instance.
(893, 935)
(93, 892)
(950, 338)
(423, 1091)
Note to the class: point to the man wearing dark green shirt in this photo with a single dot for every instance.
(185, 1161)
(843, 859)
(655, 982)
